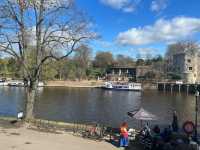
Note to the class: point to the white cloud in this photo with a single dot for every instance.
(158, 5)
(147, 52)
(161, 31)
(105, 44)
(129, 9)
(118, 4)
(124, 5)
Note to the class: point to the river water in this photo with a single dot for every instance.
(86, 105)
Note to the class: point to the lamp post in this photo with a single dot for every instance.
(196, 113)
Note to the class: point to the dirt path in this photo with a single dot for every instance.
(26, 139)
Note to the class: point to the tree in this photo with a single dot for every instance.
(60, 67)
(9, 68)
(103, 60)
(13, 68)
(48, 70)
(190, 47)
(3, 67)
(150, 75)
(54, 27)
(122, 60)
(174, 76)
(140, 62)
(82, 59)
(158, 58)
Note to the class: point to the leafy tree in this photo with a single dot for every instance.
(3, 67)
(9, 68)
(103, 60)
(48, 71)
(94, 73)
(140, 62)
(13, 68)
(158, 58)
(174, 76)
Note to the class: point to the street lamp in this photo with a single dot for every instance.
(196, 113)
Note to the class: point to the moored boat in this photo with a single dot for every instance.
(3, 83)
(41, 84)
(19, 83)
(123, 86)
(15, 83)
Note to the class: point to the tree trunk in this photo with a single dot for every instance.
(30, 101)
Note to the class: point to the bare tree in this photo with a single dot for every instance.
(82, 60)
(188, 47)
(53, 27)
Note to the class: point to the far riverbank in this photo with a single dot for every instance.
(77, 83)
(89, 84)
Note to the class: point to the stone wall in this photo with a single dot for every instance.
(187, 66)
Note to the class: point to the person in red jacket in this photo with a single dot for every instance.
(124, 135)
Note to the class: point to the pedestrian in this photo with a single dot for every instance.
(175, 126)
(124, 135)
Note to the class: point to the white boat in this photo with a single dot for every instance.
(3, 83)
(123, 86)
(15, 83)
(21, 83)
(40, 84)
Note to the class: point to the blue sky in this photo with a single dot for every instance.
(142, 27)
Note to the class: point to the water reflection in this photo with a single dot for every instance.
(86, 105)
(11, 100)
(96, 105)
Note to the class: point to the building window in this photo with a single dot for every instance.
(189, 60)
(190, 68)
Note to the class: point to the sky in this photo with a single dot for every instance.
(139, 28)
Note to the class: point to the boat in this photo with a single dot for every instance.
(15, 83)
(122, 86)
(3, 83)
(21, 83)
(41, 84)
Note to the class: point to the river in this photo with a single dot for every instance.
(86, 105)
